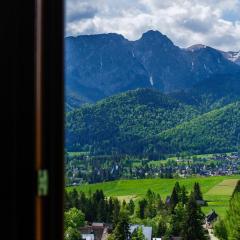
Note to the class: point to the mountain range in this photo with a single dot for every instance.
(98, 66)
(149, 96)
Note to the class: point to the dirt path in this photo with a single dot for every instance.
(212, 237)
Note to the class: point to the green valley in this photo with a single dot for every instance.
(216, 190)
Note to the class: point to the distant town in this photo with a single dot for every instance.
(82, 168)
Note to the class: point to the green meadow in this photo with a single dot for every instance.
(216, 190)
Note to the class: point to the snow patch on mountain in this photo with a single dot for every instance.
(232, 56)
(151, 80)
(196, 47)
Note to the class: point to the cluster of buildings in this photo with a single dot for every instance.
(101, 231)
(215, 165)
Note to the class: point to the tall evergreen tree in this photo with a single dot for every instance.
(82, 201)
(73, 195)
(175, 196)
(101, 211)
(160, 203)
(183, 195)
(110, 210)
(197, 192)
(192, 225)
(131, 207)
(142, 204)
(124, 204)
(177, 219)
(122, 229)
(116, 211)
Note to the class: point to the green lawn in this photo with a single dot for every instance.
(216, 190)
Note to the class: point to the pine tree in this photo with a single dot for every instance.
(160, 203)
(138, 234)
(131, 207)
(197, 192)
(116, 211)
(73, 195)
(142, 208)
(110, 210)
(174, 199)
(124, 204)
(121, 231)
(177, 219)
(101, 211)
(183, 195)
(192, 224)
(82, 201)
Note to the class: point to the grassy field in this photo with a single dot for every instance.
(216, 190)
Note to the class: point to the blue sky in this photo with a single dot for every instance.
(186, 22)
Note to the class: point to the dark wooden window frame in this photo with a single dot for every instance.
(35, 140)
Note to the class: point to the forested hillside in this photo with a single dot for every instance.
(216, 131)
(146, 121)
(214, 92)
(121, 123)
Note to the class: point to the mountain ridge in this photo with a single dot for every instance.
(108, 64)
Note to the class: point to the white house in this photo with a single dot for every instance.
(88, 236)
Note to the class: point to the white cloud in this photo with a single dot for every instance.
(185, 22)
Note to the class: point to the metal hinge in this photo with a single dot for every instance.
(42, 182)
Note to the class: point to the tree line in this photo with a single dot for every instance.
(178, 215)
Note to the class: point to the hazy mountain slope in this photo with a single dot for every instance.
(97, 66)
(216, 91)
(101, 65)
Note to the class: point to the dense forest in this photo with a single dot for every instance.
(216, 131)
(145, 121)
(122, 122)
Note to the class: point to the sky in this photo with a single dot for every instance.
(215, 23)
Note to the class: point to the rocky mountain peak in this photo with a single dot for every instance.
(155, 37)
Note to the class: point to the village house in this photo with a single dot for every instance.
(88, 236)
(210, 219)
(96, 231)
